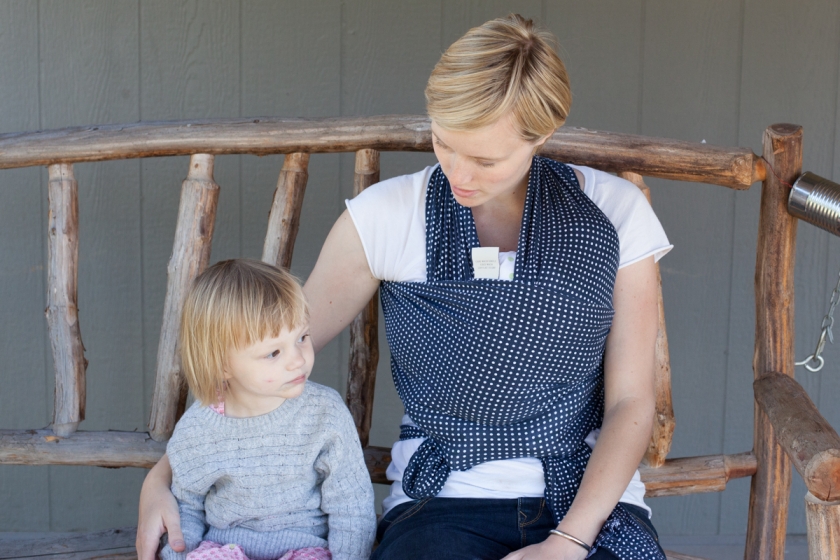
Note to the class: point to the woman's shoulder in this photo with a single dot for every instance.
(603, 187)
(639, 230)
(390, 220)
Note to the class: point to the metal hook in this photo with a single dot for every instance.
(810, 359)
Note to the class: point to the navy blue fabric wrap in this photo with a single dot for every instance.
(496, 369)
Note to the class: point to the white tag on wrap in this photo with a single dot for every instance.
(485, 262)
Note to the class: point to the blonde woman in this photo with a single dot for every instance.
(520, 307)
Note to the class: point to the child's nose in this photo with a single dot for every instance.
(296, 359)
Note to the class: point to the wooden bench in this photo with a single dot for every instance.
(788, 427)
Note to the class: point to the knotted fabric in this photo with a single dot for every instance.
(495, 369)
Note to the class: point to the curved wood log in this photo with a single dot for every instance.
(284, 218)
(653, 157)
(774, 338)
(823, 521)
(62, 309)
(102, 449)
(690, 475)
(364, 336)
(809, 440)
(664, 423)
(190, 255)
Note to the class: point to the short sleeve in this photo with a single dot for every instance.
(390, 218)
(640, 234)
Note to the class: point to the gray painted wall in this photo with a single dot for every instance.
(714, 70)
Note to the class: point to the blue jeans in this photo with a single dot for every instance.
(470, 528)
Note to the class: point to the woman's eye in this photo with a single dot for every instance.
(486, 163)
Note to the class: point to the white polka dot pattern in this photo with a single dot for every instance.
(497, 369)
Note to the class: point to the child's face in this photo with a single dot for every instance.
(260, 377)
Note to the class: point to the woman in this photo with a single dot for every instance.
(520, 304)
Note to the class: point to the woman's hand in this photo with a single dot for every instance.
(553, 548)
(158, 513)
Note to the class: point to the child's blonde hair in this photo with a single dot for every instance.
(505, 66)
(233, 304)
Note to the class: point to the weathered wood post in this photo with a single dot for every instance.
(364, 337)
(190, 255)
(823, 519)
(664, 423)
(284, 218)
(62, 304)
(774, 338)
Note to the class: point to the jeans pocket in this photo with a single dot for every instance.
(395, 516)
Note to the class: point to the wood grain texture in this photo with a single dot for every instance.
(60, 545)
(284, 217)
(101, 449)
(190, 255)
(459, 16)
(657, 157)
(364, 335)
(809, 440)
(783, 46)
(27, 396)
(62, 301)
(89, 72)
(373, 52)
(664, 422)
(695, 99)
(607, 80)
(671, 555)
(823, 520)
(189, 69)
(774, 338)
(690, 475)
(182, 46)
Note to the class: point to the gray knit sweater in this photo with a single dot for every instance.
(289, 479)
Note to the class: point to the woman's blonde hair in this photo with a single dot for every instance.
(234, 304)
(505, 66)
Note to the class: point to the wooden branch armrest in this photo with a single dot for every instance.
(809, 440)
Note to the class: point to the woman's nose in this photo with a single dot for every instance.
(459, 173)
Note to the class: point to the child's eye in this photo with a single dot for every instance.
(303, 338)
(274, 354)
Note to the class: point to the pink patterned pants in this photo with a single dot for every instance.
(214, 551)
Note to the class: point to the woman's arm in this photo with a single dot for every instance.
(158, 513)
(341, 283)
(628, 413)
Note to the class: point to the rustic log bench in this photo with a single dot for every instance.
(788, 427)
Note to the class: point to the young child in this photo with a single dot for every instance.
(264, 464)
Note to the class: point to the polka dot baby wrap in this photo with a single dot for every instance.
(496, 369)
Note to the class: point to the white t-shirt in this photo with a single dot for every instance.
(390, 218)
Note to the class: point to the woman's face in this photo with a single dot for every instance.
(489, 163)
